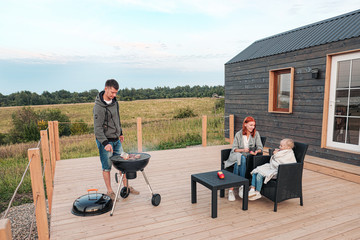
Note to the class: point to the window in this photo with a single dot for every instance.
(281, 84)
(341, 117)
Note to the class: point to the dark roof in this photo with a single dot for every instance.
(330, 30)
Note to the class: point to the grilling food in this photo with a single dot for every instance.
(127, 156)
(124, 155)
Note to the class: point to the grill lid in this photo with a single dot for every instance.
(92, 204)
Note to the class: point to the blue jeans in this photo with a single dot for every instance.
(257, 181)
(105, 155)
(240, 169)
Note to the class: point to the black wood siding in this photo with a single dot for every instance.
(246, 94)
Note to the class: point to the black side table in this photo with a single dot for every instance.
(212, 182)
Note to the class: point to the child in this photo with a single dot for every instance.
(269, 170)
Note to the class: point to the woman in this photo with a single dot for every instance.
(246, 142)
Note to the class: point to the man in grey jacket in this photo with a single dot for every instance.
(108, 131)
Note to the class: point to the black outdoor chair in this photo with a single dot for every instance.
(249, 160)
(288, 183)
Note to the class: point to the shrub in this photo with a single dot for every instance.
(56, 115)
(24, 126)
(181, 142)
(27, 124)
(79, 128)
(219, 105)
(185, 113)
(3, 139)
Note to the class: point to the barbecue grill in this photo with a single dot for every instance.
(129, 167)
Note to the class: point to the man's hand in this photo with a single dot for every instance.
(108, 148)
(121, 138)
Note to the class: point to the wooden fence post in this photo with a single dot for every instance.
(5, 229)
(204, 130)
(231, 128)
(38, 193)
(47, 165)
(56, 140)
(52, 146)
(139, 134)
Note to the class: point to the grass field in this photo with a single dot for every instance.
(157, 109)
(160, 131)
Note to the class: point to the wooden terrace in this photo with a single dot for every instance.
(331, 205)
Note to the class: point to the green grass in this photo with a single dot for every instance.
(160, 131)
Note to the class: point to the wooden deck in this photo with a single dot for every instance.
(331, 205)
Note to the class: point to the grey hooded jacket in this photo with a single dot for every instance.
(107, 125)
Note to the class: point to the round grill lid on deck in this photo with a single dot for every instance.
(92, 204)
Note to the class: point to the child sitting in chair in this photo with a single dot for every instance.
(269, 170)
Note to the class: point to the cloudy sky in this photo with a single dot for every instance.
(49, 45)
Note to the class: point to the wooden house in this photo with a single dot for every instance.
(303, 84)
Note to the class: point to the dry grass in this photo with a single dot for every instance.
(156, 109)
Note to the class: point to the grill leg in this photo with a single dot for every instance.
(147, 182)
(117, 194)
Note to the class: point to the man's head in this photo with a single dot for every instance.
(112, 83)
(111, 89)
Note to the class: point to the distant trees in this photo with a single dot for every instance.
(166, 92)
(26, 98)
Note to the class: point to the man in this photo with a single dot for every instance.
(108, 132)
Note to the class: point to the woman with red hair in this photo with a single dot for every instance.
(246, 142)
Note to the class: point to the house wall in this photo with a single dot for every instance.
(246, 94)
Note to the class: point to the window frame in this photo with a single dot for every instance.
(328, 74)
(273, 90)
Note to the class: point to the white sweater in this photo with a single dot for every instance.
(269, 170)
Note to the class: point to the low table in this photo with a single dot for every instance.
(212, 182)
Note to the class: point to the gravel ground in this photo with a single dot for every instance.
(21, 218)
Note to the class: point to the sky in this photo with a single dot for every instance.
(50, 45)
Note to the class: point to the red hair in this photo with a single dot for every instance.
(246, 120)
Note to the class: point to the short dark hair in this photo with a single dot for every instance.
(112, 83)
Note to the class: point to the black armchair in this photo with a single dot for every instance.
(288, 183)
(249, 160)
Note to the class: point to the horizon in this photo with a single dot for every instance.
(118, 90)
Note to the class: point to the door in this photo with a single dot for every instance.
(344, 103)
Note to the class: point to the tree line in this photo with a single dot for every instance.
(26, 98)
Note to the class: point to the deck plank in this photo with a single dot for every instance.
(330, 204)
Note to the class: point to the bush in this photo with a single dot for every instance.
(3, 139)
(185, 113)
(181, 142)
(56, 115)
(24, 126)
(219, 105)
(27, 124)
(79, 128)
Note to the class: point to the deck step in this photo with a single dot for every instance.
(341, 170)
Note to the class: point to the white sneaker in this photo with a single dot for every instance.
(256, 196)
(231, 196)
(252, 192)
(241, 191)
